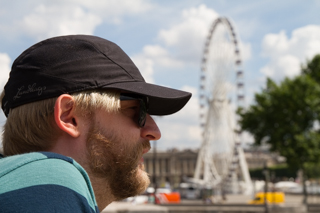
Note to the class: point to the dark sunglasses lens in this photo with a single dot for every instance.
(143, 107)
(142, 114)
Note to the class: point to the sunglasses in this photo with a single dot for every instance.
(143, 108)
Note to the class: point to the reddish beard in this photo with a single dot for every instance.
(118, 161)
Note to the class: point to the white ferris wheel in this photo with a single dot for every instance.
(221, 163)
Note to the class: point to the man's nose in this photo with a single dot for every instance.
(150, 130)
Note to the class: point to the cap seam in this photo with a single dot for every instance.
(81, 83)
(27, 51)
(97, 49)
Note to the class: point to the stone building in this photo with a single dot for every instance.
(170, 166)
(173, 166)
(257, 158)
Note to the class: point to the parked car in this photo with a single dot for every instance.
(162, 196)
(270, 197)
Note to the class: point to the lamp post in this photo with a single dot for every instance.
(266, 174)
(154, 170)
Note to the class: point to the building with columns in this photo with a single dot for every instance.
(173, 166)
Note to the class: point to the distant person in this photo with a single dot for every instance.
(78, 122)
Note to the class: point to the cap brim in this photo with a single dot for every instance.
(162, 100)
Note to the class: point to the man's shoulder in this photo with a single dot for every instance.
(41, 168)
(35, 162)
(42, 172)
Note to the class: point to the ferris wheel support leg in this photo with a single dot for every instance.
(245, 172)
(199, 163)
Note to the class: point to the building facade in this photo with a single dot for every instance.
(172, 167)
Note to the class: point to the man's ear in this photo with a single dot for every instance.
(64, 115)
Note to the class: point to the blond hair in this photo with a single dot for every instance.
(31, 127)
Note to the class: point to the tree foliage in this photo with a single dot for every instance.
(278, 172)
(286, 116)
(312, 68)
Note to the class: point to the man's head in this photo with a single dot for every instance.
(84, 88)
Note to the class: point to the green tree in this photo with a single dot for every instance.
(312, 68)
(286, 116)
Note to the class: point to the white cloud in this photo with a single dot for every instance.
(182, 42)
(112, 10)
(275, 44)
(284, 66)
(48, 21)
(188, 36)
(4, 69)
(245, 49)
(42, 19)
(151, 56)
(181, 130)
(286, 54)
(145, 66)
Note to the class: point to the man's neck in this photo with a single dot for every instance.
(100, 185)
(102, 192)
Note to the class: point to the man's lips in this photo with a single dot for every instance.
(144, 151)
(146, 148)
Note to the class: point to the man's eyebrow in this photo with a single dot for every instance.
(130, 102)
(127, 101)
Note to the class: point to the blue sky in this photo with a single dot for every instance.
(166, 38)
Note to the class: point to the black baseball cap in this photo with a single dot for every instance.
(74, 63)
